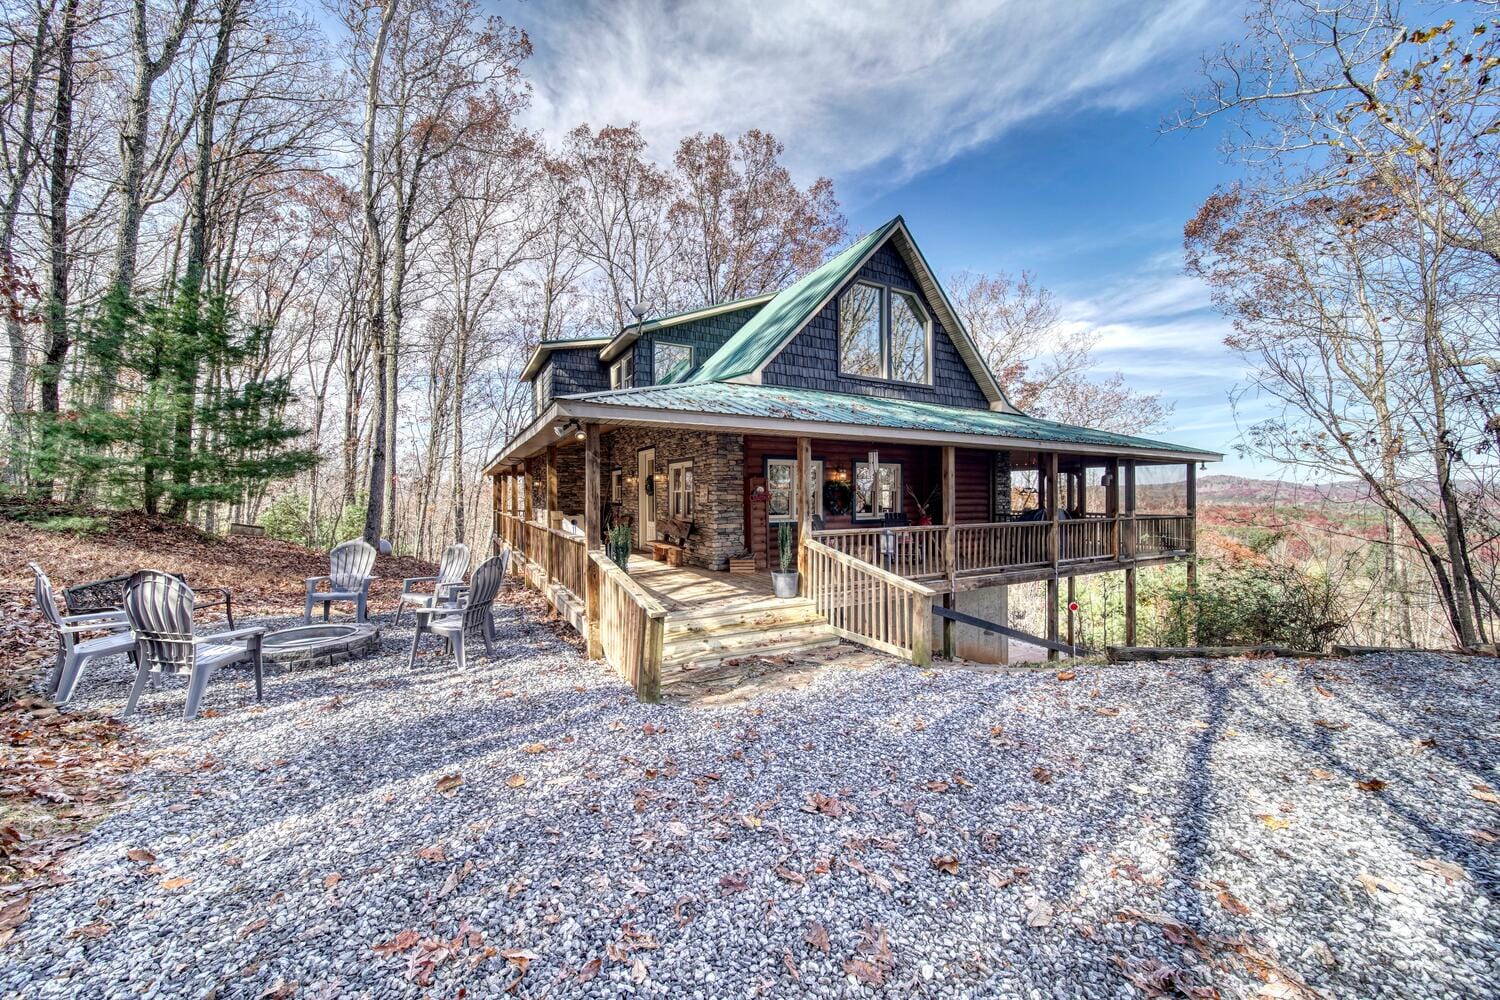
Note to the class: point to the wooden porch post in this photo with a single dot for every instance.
(551, 499)
(592, 521)
(1128, 537)
(1192, 539)
(1054, 549)
(804, 504)
(950, 541)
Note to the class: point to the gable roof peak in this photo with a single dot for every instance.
(746, 353)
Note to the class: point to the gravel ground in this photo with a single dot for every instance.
(1184, 828)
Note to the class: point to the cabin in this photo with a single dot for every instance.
(851, 414)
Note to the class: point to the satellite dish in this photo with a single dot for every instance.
(636, 309)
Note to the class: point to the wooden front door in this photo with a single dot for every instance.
(645, 462)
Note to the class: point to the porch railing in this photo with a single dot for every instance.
(868, 604)
(1000, 546)
(915, 553)
(1162, 534)
(1086, 539)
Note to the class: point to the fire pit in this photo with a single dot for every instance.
(305, 643)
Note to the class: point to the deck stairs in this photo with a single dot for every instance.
(762, 627)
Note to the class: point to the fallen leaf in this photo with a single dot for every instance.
(449, 782)
(1445, 870)
(866, 972)
(590, 970)
(1321, 775)
(791, 965)
(1039, 913)
(141, 855)
(1335, 726)
(945, 863)
(817, 937)
(1231, 903)
(535, 748)
(1484, 793)
(1067, 675)
(1041, 775)
(433, 852)
(515, 781)
(1274, 822)
(332, 880)
(1370, 785)
(172, 884)
(1374, 885)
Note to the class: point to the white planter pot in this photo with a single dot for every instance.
(784, 584)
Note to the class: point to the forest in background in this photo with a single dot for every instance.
(268, 262)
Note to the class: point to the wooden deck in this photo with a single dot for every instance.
(687, 588)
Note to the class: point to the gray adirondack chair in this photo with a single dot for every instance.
(160, 609)
(72, 654)
(451, 570)
(349, 575)
(472, 611)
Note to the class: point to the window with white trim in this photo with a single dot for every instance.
(670, 362)
(680, 489)
(884, 333)
(781, 485)
(622, 372)
(870, 500)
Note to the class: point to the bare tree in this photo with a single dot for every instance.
(741, 225)
(1045, 366)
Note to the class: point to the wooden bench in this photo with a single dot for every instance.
(671, 547)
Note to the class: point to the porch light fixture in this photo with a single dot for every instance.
(572, 427)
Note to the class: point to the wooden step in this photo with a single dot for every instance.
(741, 619)
(712, 651)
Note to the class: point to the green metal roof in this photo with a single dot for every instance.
(819, 406)
(784, 315)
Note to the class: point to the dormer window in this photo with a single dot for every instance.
(671, 361)
(884, 333)
(622, 372)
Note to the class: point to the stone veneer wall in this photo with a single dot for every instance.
(718, 484)
(569, 480)
(1001, 502)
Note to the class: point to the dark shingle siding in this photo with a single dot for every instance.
(705, 336)
(576, 371)
(811, 359)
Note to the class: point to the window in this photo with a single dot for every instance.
(671, 361)
(908, 338)
(680, 489)
(883, 333)
(859, 332)
(622, 372)
(870, 500)
(781, 484)
(615, 479)
(539, 395)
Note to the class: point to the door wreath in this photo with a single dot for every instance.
(836, 497)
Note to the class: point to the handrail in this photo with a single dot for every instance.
(869, 605)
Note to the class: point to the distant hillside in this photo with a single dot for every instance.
(1223, 489)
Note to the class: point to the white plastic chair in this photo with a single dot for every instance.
(72, 654)
(349, 576)
(450, 574)
(160, 609)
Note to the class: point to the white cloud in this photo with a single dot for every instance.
(902, 86)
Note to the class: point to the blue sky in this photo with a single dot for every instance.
(1011, 135)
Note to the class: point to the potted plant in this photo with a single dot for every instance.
(924, 507)
(784, 582)
(618, 546)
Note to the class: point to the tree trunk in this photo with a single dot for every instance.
(375, 503)
(10, 279)
(133, 136)
(186, 388)
(59, 190)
